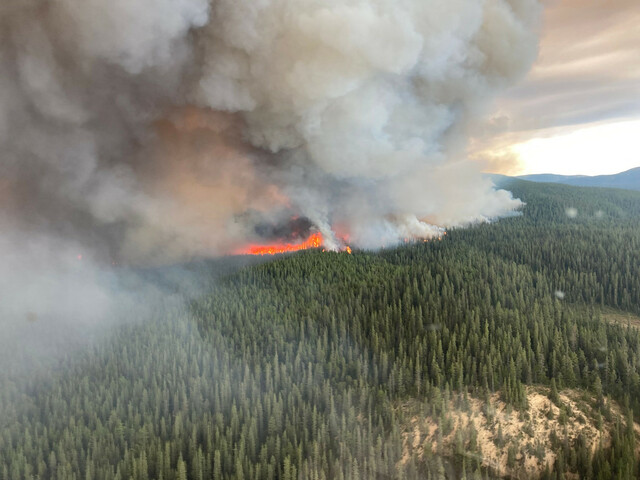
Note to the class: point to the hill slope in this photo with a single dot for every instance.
(629, 180)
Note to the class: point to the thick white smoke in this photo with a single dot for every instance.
(370, 98)
(154, 130)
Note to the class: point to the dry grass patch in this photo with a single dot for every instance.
(619, 317)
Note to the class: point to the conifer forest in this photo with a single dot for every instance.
(314, 365)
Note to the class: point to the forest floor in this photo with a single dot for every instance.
(486, 433)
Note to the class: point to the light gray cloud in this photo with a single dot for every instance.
(587, 73)
(588, 69)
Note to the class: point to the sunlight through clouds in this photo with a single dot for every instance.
(595, 150)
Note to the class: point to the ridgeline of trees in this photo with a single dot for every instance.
(293, 369)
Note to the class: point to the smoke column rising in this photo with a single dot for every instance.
(157, 130)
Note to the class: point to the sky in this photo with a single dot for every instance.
(578, 110)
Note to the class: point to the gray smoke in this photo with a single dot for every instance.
(158, 130)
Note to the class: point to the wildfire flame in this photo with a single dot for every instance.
(314, 241)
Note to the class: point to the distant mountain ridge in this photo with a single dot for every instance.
(629, 180)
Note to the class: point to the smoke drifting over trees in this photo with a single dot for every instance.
(158, 130)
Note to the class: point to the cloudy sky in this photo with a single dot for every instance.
(578, 110)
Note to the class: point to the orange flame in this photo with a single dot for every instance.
(314, 241)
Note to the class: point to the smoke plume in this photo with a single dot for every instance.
(157, 130)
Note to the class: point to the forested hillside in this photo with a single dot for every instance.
(315, 365)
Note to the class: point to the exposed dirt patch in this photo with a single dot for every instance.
(488, 432)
